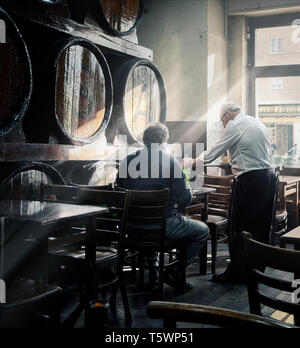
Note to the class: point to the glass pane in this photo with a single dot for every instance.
(277, 46)
(278, 107)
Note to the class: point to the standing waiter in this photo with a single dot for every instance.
(249, 149)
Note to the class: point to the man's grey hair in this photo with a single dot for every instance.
(230, 107)
(156, 133)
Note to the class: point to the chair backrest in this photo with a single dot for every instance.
(219, 202)
(258, 257)
(61, 193)
(290, 171)
(173, 312)
(110, 225)
(109, 187)
(146, 215)
(274, 210)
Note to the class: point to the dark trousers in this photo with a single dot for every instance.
(254, 200)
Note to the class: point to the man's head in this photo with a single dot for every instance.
(156, 133)
(228, 112)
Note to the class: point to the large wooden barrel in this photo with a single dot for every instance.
(15, 74)
(139, 99)
(19, 178)
(81, 94)
(119, 17)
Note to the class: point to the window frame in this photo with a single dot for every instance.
(255, 72)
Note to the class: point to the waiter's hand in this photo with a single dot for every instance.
(188, 162)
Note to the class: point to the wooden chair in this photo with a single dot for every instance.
(146, 217)
(258, 257)
(173, 312)
(288, 201)
(67, 253)
(219, 204)
(280, 216)
(30, 302)
(29, 306)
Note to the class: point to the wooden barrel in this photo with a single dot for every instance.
(81, 94)
(15, 73)
(25, 178)
(139, 99)
(119, 17)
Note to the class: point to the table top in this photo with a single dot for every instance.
(46, 213)
(203, 191)
(292, 235)
(285, 179)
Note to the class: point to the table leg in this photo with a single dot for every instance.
(203, 260)
(90, 259)
(297, 275)
(203, 252)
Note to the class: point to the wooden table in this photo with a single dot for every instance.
(42, 218)
(292, 237)
(289, 192)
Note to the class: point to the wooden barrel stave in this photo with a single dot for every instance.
(16, 76)
(118, 17)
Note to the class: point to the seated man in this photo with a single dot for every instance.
(162, 174)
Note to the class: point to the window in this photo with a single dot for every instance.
(276, 83)
(276, 46)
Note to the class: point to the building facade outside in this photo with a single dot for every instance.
(278, 98)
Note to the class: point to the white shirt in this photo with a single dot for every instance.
(247, 143)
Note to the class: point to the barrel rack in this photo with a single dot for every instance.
(29, 13)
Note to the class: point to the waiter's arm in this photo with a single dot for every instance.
(229, 138)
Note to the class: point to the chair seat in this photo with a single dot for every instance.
(220, 221)
(29, 306)
(25, 292)
(103, 254)
(155, 245)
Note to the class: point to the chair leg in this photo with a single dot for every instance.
(161, 274)
(182, 271)
(141, 261)
(133, 267)
(214, 243)
(122, 285)
(203, 260)
(113, 297)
